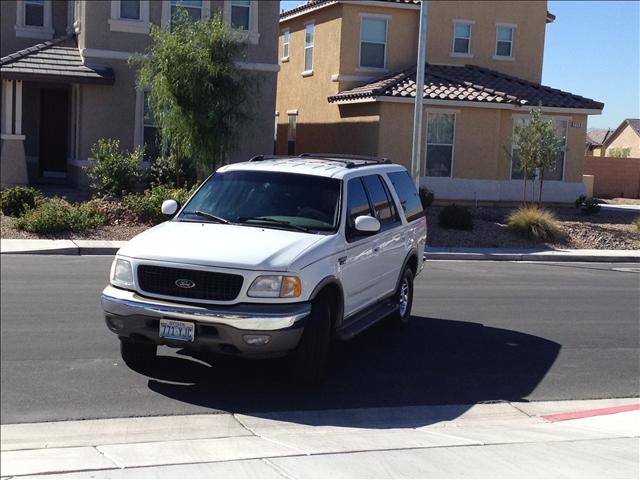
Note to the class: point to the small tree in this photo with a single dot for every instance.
(623, 152)
(197, 94)
(538, 148)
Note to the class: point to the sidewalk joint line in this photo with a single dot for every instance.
(278, 469)
(108, 457)
(446, 435)
(269, 439)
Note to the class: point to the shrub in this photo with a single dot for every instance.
(15, 201)
(56, 215)
(636, 222)
(456, 217)
(147, 205)
(164, 171)
(426, 197)
(589, 206)
(114, 171)
(535, 224)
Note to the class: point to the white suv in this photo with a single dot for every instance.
(273, 256)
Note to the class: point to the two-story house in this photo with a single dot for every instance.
(67, 81)
(347, 84)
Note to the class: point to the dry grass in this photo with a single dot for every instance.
(535, 224)
(636, 222)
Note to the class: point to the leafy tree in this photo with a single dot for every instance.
(538, 148)
(619, 152)
(197, 94)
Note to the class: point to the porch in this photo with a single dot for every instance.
(41, 91)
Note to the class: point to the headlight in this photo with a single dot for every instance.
(275, 286)
(121, 273)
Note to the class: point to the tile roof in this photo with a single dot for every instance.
(467, 83)
(634, 123)
(598, 136)
(54, 60)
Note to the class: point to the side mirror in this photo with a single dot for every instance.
(367, 224)
(169, 207)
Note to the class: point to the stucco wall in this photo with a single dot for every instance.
(614, 177)
(627, 138)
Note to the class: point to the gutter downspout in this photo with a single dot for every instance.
(416, 152)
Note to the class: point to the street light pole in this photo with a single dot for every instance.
(417, 114)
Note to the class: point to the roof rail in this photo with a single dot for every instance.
(260, 158)
(347, 159)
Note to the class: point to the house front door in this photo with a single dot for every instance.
(54, 132)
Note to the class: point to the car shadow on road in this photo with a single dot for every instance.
(431, 362)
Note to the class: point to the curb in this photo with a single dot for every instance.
(111, 247)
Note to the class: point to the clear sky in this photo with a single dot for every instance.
(593, 50)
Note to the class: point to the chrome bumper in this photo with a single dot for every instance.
(265, 317)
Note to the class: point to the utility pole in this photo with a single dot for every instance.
(416, 153)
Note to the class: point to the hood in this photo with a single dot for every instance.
(219, 245)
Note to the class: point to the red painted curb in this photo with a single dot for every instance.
(559, 417)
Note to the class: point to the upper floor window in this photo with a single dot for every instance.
(373, 42)
(130, 9)
(33, 19)
(240, 14)
(504, 41)
(192, 7)
(461, 37)
(285, 44)
(440, 139)
(309, 34)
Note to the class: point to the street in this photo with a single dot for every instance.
(480, 332)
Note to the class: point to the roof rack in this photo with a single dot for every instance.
(260, 158)
(348, 160)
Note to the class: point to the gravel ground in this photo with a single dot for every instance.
(620, 201)
(605, 230)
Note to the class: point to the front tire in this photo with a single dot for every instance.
(309, 359)
(404, 297)
(136, 354)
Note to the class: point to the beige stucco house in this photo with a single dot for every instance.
(66, 80)
(347, 84)
(625, 138)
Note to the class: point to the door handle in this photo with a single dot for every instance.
(376, 249)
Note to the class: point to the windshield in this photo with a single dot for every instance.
(269, 199)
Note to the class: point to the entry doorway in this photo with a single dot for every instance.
(54, 132)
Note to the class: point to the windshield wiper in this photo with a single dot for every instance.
(284, 223)
(208, 215)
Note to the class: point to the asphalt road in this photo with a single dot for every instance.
(481, 332)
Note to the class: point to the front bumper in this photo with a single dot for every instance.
(219, 329)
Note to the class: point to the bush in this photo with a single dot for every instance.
(535, 224)
(164, 171)
(456, 217)
(15, 201)
(115, 171)
(147, 205)
(589, 206)
(426, 197)
(636, 222)
(56, 215)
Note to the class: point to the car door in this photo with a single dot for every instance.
(360, 270)
(389, 243)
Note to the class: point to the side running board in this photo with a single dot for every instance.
(364, 319)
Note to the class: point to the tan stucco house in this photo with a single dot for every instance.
(347, 84)
(66, 80)
(625, 138)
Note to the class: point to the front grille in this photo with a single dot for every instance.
(207, 285)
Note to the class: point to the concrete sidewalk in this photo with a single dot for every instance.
(110, 247)
(592, 438)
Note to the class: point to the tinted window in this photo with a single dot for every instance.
(268, 199)
(357, 202)
(378, 195)
(406, 191)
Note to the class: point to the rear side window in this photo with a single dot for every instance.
(406, 191)
(357, 202)
(379, 197)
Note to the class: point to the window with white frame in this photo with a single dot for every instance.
(34, 13)
(285, 44)
(130, 9)
(440, 139)
(373, 42)
(557, 171)
(33, 19)
(309, 33)
(149, 131)
(504, 41)
(461, 38)
(192, 7)
(241, 14)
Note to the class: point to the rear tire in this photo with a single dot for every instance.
(136, 354)
(404, 297)
(309, 359)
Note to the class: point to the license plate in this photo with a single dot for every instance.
(176, 330)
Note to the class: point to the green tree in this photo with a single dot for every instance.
(538, 148)
(623, 152)
(197, 94)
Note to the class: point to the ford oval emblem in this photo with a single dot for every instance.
(185, 283)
